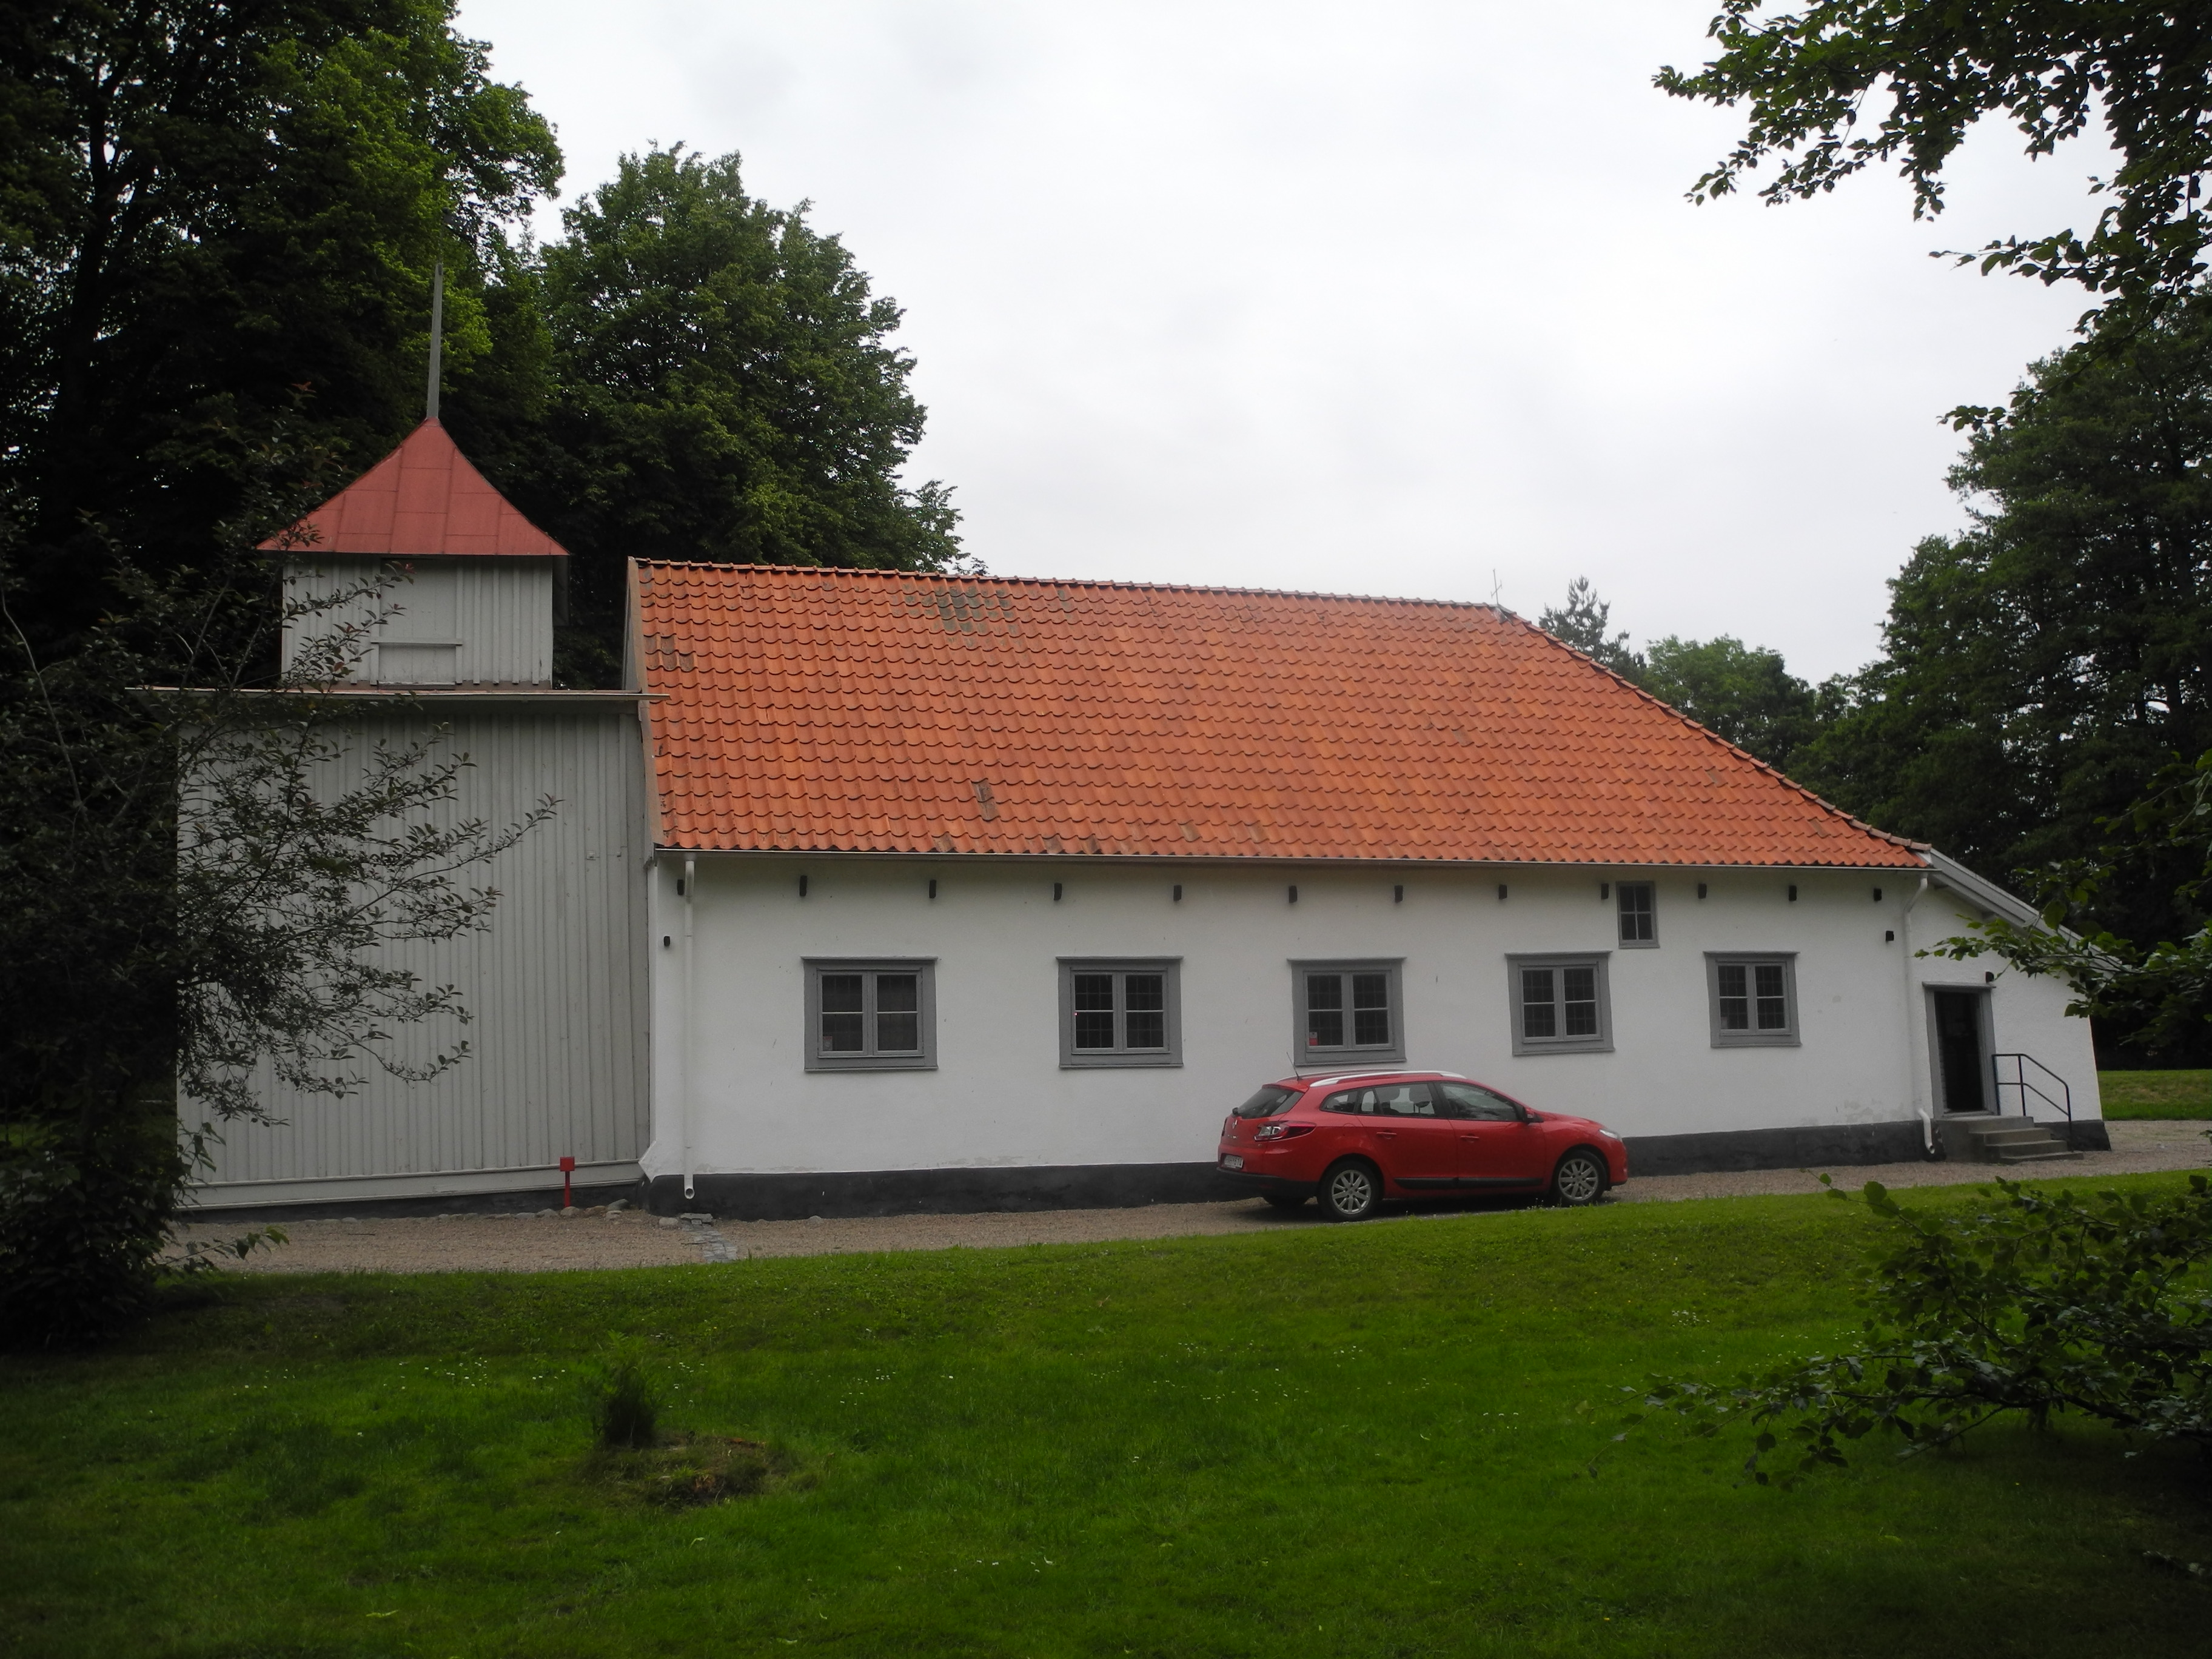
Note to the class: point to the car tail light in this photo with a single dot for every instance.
(1285, 1131)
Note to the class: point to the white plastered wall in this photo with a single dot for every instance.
(998, 1097)
(2027, 1013)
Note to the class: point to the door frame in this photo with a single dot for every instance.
(1986, 1038)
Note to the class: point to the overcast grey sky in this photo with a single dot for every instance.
(1380, 298)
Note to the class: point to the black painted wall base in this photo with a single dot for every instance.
(1122, 1186)
(1841, 1144)
(2089, 1137)
(941, 1192)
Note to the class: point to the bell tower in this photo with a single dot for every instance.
(478, 582)
(454, 593)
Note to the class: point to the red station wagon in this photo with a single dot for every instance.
(1356, 1139)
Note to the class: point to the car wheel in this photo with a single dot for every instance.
(1285, 1200)
(1350, 1191)
(1579, 1180)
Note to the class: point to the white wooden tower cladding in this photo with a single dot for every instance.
(558, 1045)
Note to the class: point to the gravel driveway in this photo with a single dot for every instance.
(546, 1242)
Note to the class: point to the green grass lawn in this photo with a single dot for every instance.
(1396, 1439)
(2156, 1094)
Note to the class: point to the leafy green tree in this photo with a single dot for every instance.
(720, 384)
(1742, 693)
(215, 220)
(1583, 622)
(2044, 1303)
(2141, 68)
(1745, 694)
(2043, 668)
(2160, 994)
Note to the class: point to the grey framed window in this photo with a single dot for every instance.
(1639, 914)
(1561, 1004)
(1348, 1011)
(1116, 1013)
(1753, 999)
(870, 1015)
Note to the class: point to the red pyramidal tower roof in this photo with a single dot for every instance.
(420, 500)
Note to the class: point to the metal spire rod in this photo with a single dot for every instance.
(437, 335)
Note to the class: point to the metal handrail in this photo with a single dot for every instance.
(2020, 1065)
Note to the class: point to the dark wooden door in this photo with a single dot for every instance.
(1958, 1050)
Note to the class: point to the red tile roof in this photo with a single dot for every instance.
(813, 710)
(420, 500)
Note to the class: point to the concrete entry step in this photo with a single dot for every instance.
(2017, 1141)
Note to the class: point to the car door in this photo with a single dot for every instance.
(1494, 1144)
(1417, 1145)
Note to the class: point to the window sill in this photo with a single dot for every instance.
(1757, 1039)
(871, 1063)
(1525, 1049)
(1119, 1062)
(1348, 1060)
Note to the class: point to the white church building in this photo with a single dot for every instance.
(876, 892)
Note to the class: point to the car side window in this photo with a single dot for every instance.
(1404, 1100)
(1466, 1100)
(1392, 1100)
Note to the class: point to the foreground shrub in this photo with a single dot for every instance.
(625, 1405)
(86, 1232)
(82, 1233)
(2047, 1304)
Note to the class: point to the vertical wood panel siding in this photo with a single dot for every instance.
(505, 609)
(499, 612)
(558, 987)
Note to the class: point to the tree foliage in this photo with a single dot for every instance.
(218, 220)
(1743, 693)
(2160, 994)
(2141, 69)
(2044, 1303)
(2043, 668)
(1584, 621)
(718, 383)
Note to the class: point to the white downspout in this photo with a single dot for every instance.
(1915, 1034)
(690, 1010)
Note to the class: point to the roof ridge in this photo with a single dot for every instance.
(1711, 735)
(1068, 581)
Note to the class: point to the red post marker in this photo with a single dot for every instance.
(568, 1169)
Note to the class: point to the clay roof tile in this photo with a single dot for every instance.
(1274, 725)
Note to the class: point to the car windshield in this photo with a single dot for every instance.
(1268, 1102)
